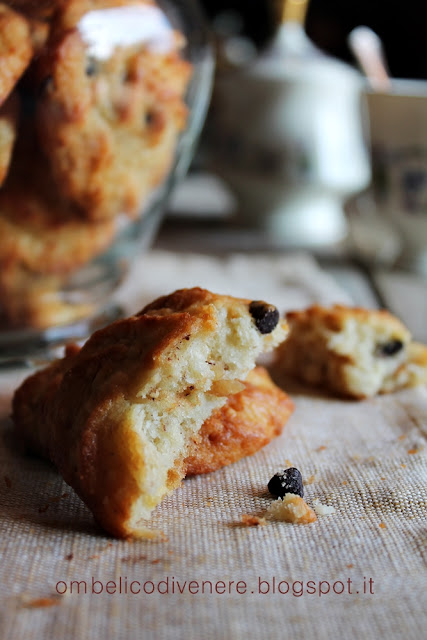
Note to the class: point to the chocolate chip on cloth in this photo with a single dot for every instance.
(287, 481)
(266, 315)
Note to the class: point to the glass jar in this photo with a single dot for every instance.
(102, 102)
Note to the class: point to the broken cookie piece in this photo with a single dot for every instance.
(291, 508)
(118, 417)
(351, 352)
(249, 420)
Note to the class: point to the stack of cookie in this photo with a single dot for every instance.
(88, 129)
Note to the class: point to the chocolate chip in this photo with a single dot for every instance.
(266, 316)
(286, 481)
(91, 67)
(149, 118)
(389, 348)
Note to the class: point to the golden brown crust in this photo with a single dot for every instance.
(15, 49)
(249, 421)
(109, 127)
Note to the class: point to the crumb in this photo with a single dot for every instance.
(42, 602)
(8, 482)
(311, 479)
(344, 482)
(321, 448)
(291, 509)
(382, 478)
(382, 525)
(350, 566)
(288, 463)
(52, 501)
(403, 465)
(414, 450)
(402, 437)
(156, 561)
(69, 556)
(209, 502)
(131, 560)
(253, 521)
(96, 555)
(322, 509)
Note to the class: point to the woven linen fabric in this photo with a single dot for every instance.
(357, 572)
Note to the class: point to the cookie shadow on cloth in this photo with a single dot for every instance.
(294, 387)
(31, 491)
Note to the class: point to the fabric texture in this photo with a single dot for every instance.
(357, 572)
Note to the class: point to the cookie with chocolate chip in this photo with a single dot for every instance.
(119, 417)
(110, 111)
(351, 352)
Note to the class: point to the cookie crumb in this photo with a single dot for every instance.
(382, 525)
(253, 521)
(42, 602)
(311, 479)
(412, 451)
(322, 509)
(291, 508)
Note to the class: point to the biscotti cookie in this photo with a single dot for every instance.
(41, 236)
(109, 118)
(118, 417)
(41, 244)
(249, 420)
(351, 351)
(40, 231)
(35, 301)
(16, 49)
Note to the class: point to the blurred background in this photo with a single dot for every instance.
(401, 27)
(298, 145)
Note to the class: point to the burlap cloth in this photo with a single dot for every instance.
(357, 572)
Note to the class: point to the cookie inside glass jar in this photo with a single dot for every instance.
(90, 122)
